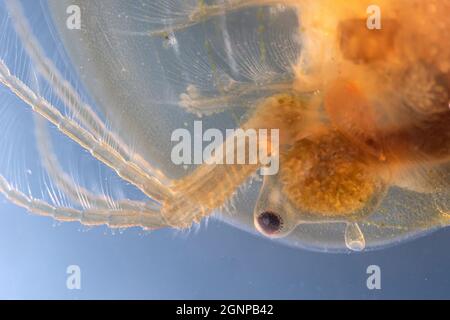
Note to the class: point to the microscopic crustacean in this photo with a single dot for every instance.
(363, 115)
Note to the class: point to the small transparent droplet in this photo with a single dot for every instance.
(354, 238)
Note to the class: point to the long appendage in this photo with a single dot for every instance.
(127, 170)
(69, 96)
(122, 218)
(204, 12)
(208, 188)
(77, 194)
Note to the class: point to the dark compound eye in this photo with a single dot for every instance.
(270, 222)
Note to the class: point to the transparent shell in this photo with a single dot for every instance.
(152, 67)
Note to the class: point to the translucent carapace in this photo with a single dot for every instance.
(357, 92)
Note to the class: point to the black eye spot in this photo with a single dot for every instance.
(270, 222)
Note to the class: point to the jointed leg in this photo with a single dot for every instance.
(122, 218)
